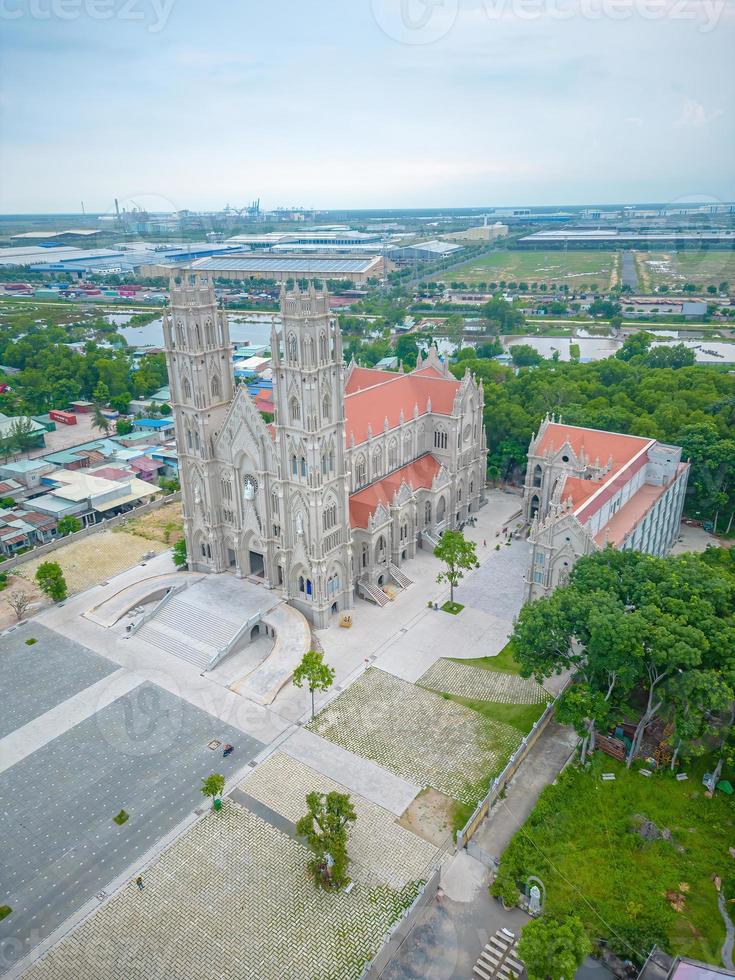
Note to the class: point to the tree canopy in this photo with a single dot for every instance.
(644, 637)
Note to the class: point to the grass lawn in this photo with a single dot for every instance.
(503, 661)
(452, 607)
(573, 268)
(676, 268)
(581, 840)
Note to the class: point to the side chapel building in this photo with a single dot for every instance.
(359, 468)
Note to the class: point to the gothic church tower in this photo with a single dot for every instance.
(198, 354)
(310, 441)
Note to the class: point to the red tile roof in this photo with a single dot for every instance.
(111, 473)
(579, 490)
(595, 443)
(366, 378)
(372, 405)
(365, 502)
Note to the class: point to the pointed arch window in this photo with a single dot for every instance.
(186, 389)
(323, 347)
(377, 464)
(537, 475)
(295, 410)
(326, 408)
(209, 333)
(293, 348)
(360, 472)
(198, 334)
(215, 386)
(303, 466)
(427, 513)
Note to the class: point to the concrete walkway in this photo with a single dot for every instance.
(446, 940)
(540, 768)
(360, 776)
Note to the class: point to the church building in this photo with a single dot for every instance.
(359, 468)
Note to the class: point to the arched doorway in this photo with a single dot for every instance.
(535, 504)
(255, 632)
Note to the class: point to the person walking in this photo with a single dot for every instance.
(139, 883)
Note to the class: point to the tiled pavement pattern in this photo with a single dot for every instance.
(417, 734)
(44, 674)
(382, 852)
(496, 586)
(482, 685)
(231, 898)
(146, 753)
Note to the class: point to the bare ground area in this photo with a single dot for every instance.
(430, 816)
(17, 584)
(98, 557)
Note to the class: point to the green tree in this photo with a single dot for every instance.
(325, 828)
(22, 434)
(459, 556)
(213, 786)
(178, 553)
(101, 393)
(636, 345)
(524, 355)
(553, 949)
(315, 673)
(68, 525)
(50, 579)
(123, 427)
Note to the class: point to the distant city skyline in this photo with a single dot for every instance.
(168, 104)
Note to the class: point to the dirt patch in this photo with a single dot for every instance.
(99, 557)
(164, 525)
(18, 584)
(430, 816)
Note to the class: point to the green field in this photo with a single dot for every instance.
(582, 840)
(571, 268)
(674, 269)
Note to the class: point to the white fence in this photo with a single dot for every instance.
(45, 549)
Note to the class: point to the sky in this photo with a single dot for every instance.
(172, 104)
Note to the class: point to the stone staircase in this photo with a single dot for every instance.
(373, 594)
(429, 539)
(188, 632)
(398, 577)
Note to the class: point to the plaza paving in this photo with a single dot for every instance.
(381, 850)
(418, 734)
(232, 898)
(145, 752)
(43, 674)
(467, 681)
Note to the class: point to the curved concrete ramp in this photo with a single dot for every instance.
(110, 610)
(293, 639)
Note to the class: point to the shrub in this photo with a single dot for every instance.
(30, 641)
(5, 911)
(505, 888)
(179, 553)
(121, 818)
(51, 580)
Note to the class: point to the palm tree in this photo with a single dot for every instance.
(99, 421)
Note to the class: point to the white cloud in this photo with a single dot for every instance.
(693, 115)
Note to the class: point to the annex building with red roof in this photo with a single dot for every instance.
(586, 489)
(359, 468)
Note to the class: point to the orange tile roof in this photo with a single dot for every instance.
(368, 377)
(596, 444)
(418, 474)
(428, 372)
(371, 406)
(579, 490)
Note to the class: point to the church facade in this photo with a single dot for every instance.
(359, 468)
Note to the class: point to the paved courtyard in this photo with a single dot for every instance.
(232, 897)
(146, 753)
(482, 685)
(43, 674)
(418, 734)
